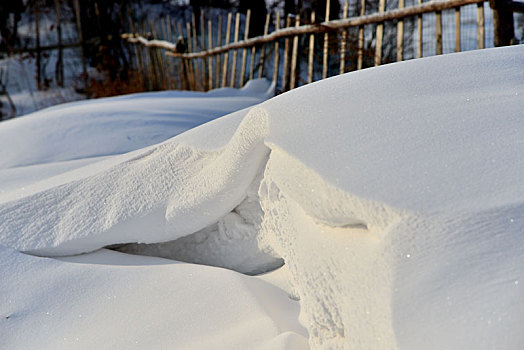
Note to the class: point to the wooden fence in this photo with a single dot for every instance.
(299, 50)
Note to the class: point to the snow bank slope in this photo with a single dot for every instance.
(118, 124)
(108, 300)
(399, 220)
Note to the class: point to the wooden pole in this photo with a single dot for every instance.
(326, 43)
(457, 29)
(228, 32)
(361, 37)
(163, 65)
(263, 54)
(400, 34)
(191, 71)
(81, 39)
(276, 55)
(59, 69)
(202, 48)
(158, 63)
(166, 27)
(419, 32)
(38, 55)
(286, 57)
(294, 55)
(184, 64)
(311, 52)
(342, 69)
(218, 63)
(197, 72)
(380, 35)
(234, 63)
(480, 25)
(210, 58)
(244, 50)
(252, 61)
(503, 27)
(438, 32)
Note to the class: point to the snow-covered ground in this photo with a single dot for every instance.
(388, 204)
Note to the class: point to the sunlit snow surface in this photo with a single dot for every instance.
(394, 196)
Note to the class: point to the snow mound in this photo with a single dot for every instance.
(393, 195)
(117, 125)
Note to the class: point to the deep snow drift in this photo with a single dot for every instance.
(393, 195)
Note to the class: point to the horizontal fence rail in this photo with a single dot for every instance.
(299, 44)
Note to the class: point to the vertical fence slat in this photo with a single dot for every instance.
(81, 40)
(277, 53)
(457, 29)
(438, 32)
(210, 58)
(263, 54)
(183, 61)
(226, 54)
(480, 25)
(380, 35)
(326, 45)
(311, 52)
(286, 57)
(136, 48)
(360, 52)
(294, 56)
(197, 71)
(177, 83)
(234, 63)
(342, 69)
(419, 32)
(190, 49)
(244, 50)
(252, 61)
(38, 54)
(165, 65)
(218, 63)
(202, 48)
(158, 62)
(400, 34)
(59, 70)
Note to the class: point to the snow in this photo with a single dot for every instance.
(108, 299)
(393, 196)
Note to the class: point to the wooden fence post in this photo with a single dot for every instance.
(311, 52)
(263, 54)
(380, 35)
(59, 69)
(218, 63)
(457, 29)
(244, 50)
(226, 55)
(360, 52)
(503, 27)
(400, 34)
(210, 58)
(419, 30)
(38, 53)
(277, 53)
(438, 32)
(234, 63)
(190, 49)
(343, 41)
(294, 56)
(326, 43)
(286, 57)
(81, 39)
(480, 25)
